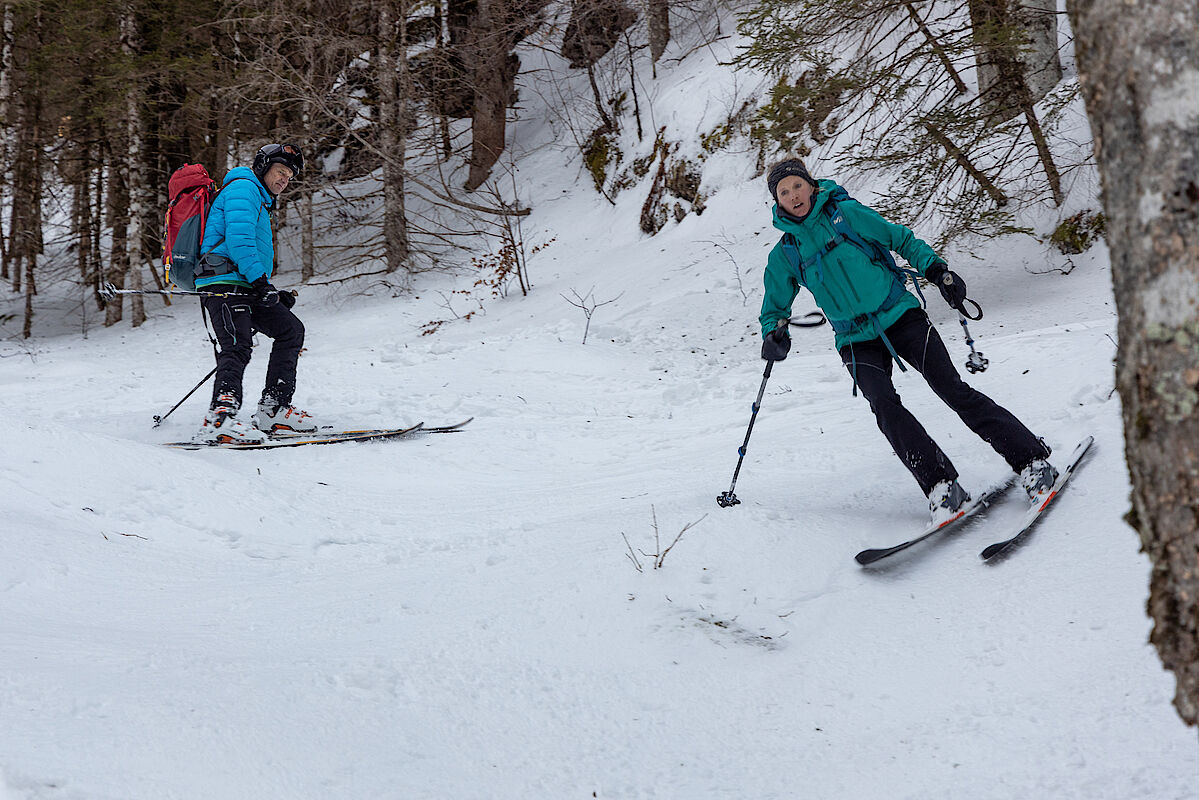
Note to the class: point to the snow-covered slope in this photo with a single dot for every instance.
(459, 616)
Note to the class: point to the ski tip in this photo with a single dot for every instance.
(993, 550)
(868, 557)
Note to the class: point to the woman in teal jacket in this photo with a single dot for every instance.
(839, 250)
(235, 269)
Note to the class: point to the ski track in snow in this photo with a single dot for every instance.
(457, 616)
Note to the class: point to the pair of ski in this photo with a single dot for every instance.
(290, 439)
(980, 503)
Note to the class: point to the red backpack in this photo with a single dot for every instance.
(190, 192)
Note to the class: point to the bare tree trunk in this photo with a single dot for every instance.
(6, 68)
(491, 76)
(17, 224)
(155, 170)
(443, 120)
(405, 90)
(97, 226)
(307, 238)
(81, 209)
(118, 220)
(1042, 66)
(307, 234)
(218, 134)
(30, 291)
(658, 18)
(135, 175)
(1142, 110)
(30, 231)
(392, 134)
(1015, 43)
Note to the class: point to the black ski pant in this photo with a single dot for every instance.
(234, 320)
(917, 342)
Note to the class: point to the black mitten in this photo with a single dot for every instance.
(263, 293)
(776, 345)
(952, 287)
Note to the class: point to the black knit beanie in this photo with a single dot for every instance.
(792, 166)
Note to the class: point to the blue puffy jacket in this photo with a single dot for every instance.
(239, 228)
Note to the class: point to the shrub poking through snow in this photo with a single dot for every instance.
(1077, 233)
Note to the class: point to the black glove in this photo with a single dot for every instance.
(776, 345)
(262, 293)
(952, 287)
(287, 299)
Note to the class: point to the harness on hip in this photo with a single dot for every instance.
(879, 255)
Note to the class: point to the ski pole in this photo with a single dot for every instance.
(158, 419)
(975, 362)
(728, 498)
(109, 291)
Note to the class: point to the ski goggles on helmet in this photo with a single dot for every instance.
(289, 155)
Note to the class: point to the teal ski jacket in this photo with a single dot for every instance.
(239, 229)
(853, 291)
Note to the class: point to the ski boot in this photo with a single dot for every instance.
(945, 501)
(221, 425)
(273, 417)
(1038, 479)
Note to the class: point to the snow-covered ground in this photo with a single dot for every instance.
(458, 616)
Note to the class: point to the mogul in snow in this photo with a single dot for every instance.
(236, 265)
(840, 251)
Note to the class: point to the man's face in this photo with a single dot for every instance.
(794, 195)
(277, 178)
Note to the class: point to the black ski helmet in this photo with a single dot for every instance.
(288, 155)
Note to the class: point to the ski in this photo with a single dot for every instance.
(298, 441)
(1035, 513)
(976, 505)
(280, 435)
(447, 428)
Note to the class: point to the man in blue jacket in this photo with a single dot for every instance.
(236, 265)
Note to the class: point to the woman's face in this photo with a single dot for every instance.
(794, 195)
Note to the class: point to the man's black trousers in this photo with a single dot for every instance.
(234, 320)
(917, 342)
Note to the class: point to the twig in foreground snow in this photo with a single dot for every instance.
(658, 557)
(588, 304)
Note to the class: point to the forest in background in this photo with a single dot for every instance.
(100, 102)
